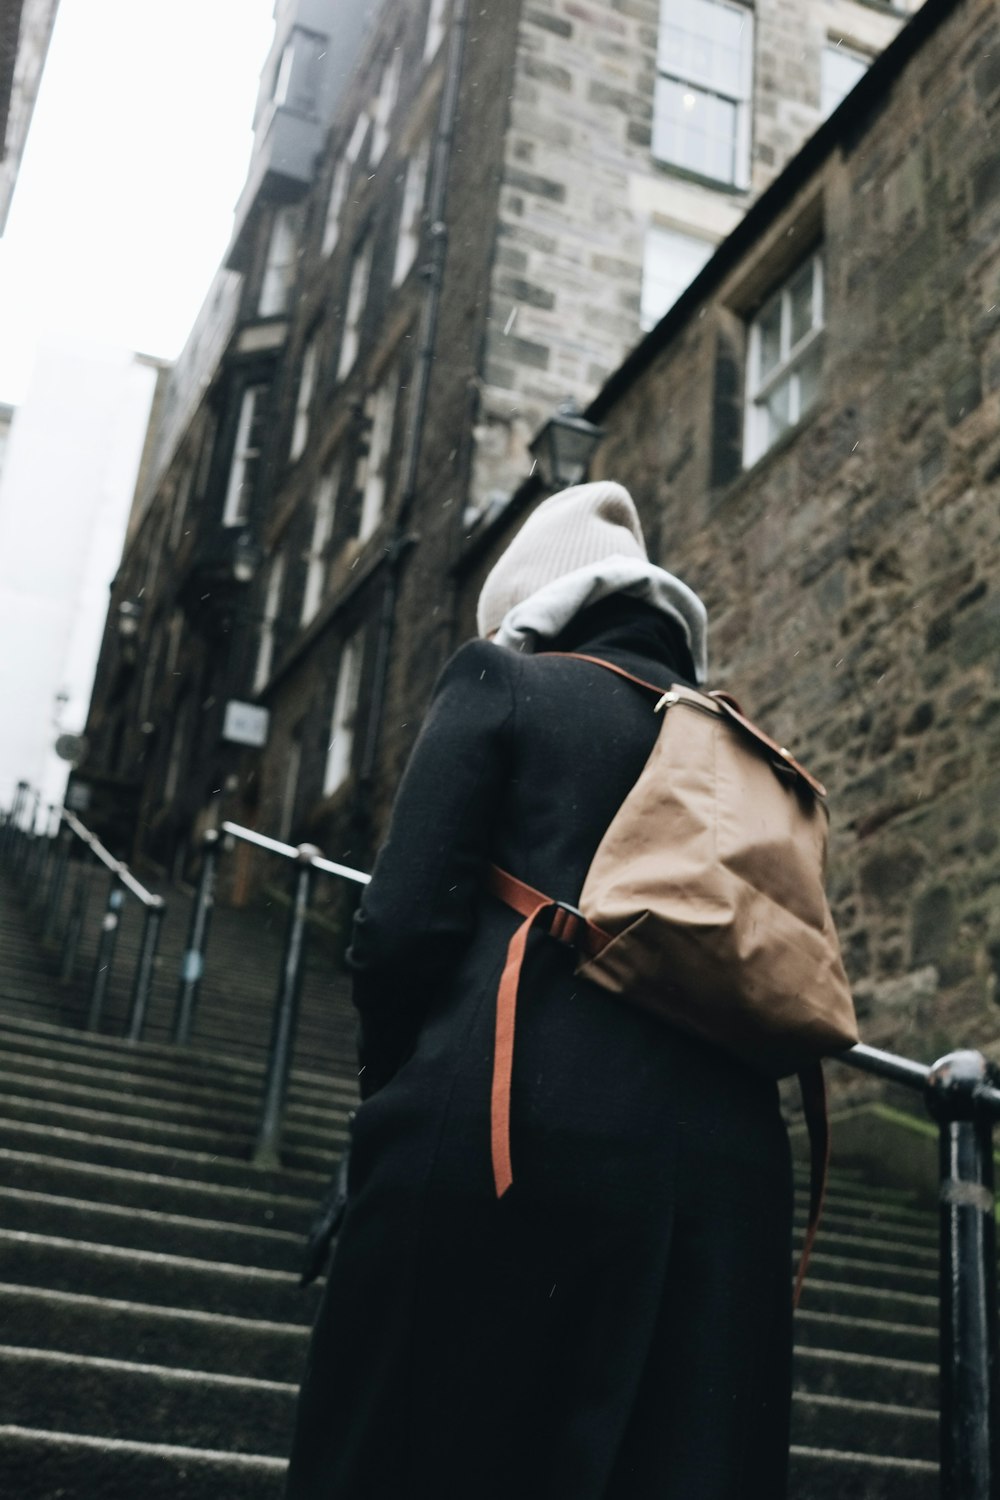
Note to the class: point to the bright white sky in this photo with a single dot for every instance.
(136, 155)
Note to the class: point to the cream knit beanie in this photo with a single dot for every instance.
(570, 530)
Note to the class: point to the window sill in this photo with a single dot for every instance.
(715, 184)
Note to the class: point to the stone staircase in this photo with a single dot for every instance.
(151, 1329)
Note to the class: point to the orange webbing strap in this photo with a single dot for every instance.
(530, 904)
(813, 1087)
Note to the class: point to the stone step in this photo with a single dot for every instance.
(108, 1328)
(825, 1474)
(122, 1187)
(59, 1264)
(871, 1427)
(884, 1273)
(851, 1298)
(142, 1229)
(916, 1341)
(37, 1465)
(313, 1149)
(866, 1377)
(145, 1403)
(148, 1059)
(60, 1083)
(77, 1145)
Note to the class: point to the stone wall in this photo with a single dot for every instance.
(853, 574)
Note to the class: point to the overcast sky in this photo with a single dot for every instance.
(137, 152)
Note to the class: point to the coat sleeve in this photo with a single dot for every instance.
(418, 914)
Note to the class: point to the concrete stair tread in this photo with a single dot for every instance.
(166, 1373)
(206, 1164)
(116, 1180)
(147, 1130)
(158, 1258)
(840, 1456)
(237, 1461)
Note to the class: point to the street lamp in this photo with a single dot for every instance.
(563, 447)
(246, 558)
(129, 615)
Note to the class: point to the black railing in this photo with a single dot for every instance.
(960, 1093)
(41, 861)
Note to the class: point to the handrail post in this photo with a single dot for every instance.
(110, 923)
(145, 968)
(43, 870)
(77, 916)
(12, 824)
(193, 962)
(279, 1061)
(22, 862)
(57, 881)
(970, 1395)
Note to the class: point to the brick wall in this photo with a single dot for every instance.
(853, 574)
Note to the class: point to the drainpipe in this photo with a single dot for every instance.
(402, 540)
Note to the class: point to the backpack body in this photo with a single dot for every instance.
(709, 885)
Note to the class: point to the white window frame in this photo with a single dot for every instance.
(357, 296)
(758, 438)
(323, 517)
(380, 409)
(245, 456)
(343, 722)
(339, 184)
(303, 399)
(436, 27)
(659, 293)
(832, 94)
(278, 282)
(297, 78)
(702, 84)
(385, 103)
(272, 609)
(412, 211)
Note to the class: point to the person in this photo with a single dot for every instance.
(616, 1325)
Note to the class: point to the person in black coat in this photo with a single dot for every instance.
(616, 1326)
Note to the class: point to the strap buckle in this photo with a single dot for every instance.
(567, 924)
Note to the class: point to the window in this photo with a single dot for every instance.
(345, 708)
(282, 263)
(326, 499)
(380, 409)
(414, 191)
(784, 358)
(303, 401)
(290, 788)
(272, 608)
(435, 28)
(246, 456)
(388, 93)
(357, 294)
(338, 187)
(298, 76)
(205, 456)
(670, 263)
(701, 116)
(180, 507)
(840, 70)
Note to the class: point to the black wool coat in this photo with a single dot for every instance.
(617, 1326)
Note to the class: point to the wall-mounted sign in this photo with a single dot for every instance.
(245, 724)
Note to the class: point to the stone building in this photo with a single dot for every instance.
(813, 437)
(25, 32)
(455, 219)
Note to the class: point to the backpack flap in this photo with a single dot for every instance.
(710, 882)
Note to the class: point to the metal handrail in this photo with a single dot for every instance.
(960, 1092)
(117, 867)
(42, 859)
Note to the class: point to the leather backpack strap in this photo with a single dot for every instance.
(813, 1086)
(569, 926)
(598, 661)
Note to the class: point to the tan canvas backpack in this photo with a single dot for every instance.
(705, 904)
